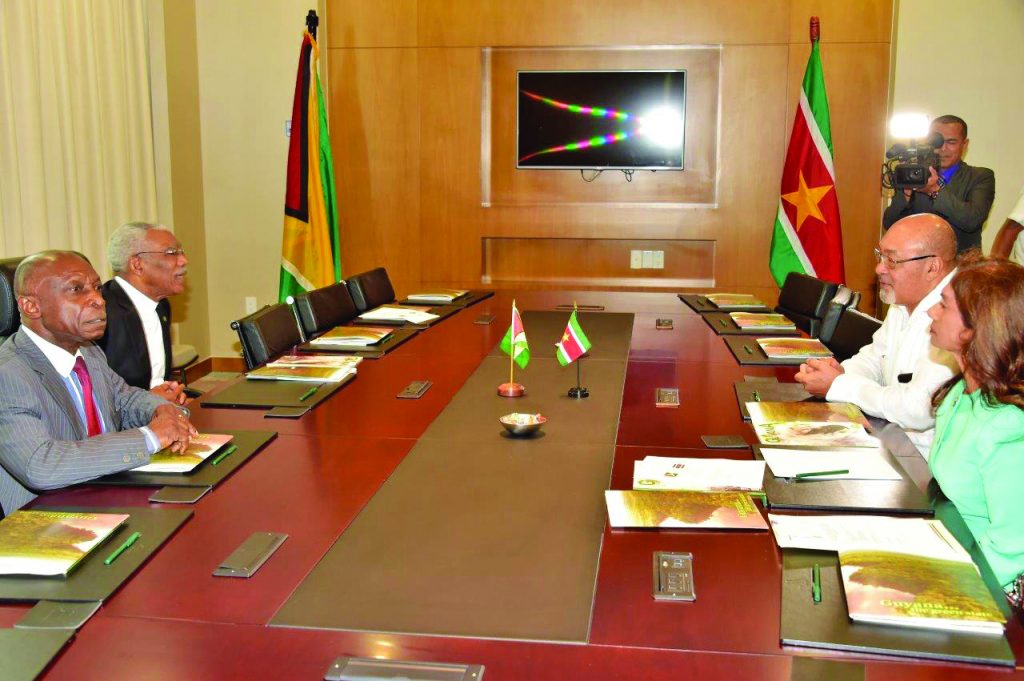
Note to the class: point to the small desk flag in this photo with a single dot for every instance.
(514, 343)
(574, 343)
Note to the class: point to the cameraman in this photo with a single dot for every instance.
(960, 193)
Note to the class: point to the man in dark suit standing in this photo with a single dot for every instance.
(149, 265)
(960, 193)
(65, 417)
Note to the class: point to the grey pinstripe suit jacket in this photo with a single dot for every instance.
(43, 443)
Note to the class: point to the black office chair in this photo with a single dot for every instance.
(852, 332)
(325, 308)
(266, 333)
(371, 289)
(10, 318)
(804, 300)
(843, 299)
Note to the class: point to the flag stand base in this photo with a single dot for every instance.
(578, 393)
(511, 390)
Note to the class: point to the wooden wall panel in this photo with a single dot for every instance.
(452, 218)
(864, 21)
(689, 263)
(380, 23)
(375, 137)
(601, 22)
(407, 124)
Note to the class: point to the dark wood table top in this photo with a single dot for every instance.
(173, 619)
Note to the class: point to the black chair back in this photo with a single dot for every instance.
(10, 318)
(267, 333)
(371, 289)
(804, 300)
(843, 299)
(852, 332)
(325, 308)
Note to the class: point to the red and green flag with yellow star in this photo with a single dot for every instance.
(808, 237)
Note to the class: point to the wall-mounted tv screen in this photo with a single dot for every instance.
(601, 119)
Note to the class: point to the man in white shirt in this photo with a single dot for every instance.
(1008, 243)
(65, 417)
(149, 265)
(895, 375)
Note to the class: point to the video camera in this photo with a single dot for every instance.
(906, 166)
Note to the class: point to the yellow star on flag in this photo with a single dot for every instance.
(806, 200)
(565, 337)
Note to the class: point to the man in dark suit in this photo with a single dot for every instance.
(149, 265)
(65, 417)
(960, 193)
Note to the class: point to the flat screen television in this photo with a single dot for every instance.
(601, 120)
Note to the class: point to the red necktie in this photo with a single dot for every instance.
(92, 417)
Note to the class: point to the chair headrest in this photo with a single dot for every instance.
(371, 289)
(10, 318)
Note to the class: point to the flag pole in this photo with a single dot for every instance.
(312, 21)
(578, 392)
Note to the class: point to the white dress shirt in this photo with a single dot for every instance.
(154, 333)
(900, 348)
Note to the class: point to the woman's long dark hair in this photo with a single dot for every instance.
(990, 295)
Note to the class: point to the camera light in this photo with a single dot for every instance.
(908, 126)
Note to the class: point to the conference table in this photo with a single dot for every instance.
(172, 619)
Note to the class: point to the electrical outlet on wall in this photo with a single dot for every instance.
(250, 304)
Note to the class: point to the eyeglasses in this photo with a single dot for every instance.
(891, 263)
(170, 252)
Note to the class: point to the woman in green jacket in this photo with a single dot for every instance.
(977, 456)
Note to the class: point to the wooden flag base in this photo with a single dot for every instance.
(511, 390)
(578, 393)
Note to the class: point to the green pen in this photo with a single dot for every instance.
(223, 455)
(816, 583)
(746, 349)
(122, 548)
(722, 322)
(760, 495)
(816, 474)
(309, 393)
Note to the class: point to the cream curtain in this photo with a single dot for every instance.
(76, 142)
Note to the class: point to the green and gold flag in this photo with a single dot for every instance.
(310, 249)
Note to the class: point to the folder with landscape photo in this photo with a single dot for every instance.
(764, 321)
(438, 295)
(200, 448)
(683, 509)
(937, 587)
(398, 313)
(51, 543)
(734, 301)
(352, 336)
(312, 374)
(810, 424)
(793, 348)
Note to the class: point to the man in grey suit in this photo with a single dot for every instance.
(65, 416)
(960, 193)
